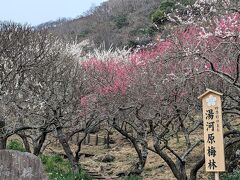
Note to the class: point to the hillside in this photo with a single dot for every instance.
(117, 23)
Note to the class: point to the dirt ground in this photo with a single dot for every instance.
(125, 157)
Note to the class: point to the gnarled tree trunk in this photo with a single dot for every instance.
(37, 146)
(3, 142)
(63, 140)
(3, 138)
(25, 141)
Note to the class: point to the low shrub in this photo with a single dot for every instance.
(231, 176)
(15, 145)
(158, 17)
(58, 168)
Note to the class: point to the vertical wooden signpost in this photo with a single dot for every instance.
(213, 132)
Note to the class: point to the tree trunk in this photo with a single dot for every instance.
(3, 138)
(182, 170)
(142, 157)
(63, 140)
(25, 142)
(96, 142)
(88, 139)
(184, 129)
(108, 139)
(38, 145)
(3, 143)
(168, 160)
(186, 135)
(79, 143)
(177, 137)
(196, 167)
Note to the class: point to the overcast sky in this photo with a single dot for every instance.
(35, 12)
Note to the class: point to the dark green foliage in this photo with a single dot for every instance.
(146, 31)
(232, 157)
(167, 6)
(231, 176)
(158, 17)
(135, 43)
(132, 44)
(121, 21)
(187, 2)
(83, 34)
(15, 145)
(149, 31)
(59, 169)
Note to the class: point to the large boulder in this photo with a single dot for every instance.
(20, 165)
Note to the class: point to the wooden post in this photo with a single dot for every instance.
(85, 141)
(217, 176)
(108, 139)
(88, 139)
(104, 140)
(177, 137)
(122, 125)
(96, 143)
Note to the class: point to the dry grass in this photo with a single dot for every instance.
(125, 157)
(155, 169)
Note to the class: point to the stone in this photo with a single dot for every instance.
(20, 166)
(106, 158)
(121, 174)
(112, 141)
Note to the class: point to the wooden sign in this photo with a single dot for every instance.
(213, 131)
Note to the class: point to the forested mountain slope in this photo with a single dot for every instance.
(115, 22)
